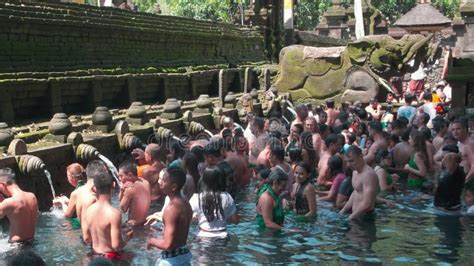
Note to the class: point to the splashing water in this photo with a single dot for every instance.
(50, 181)
(238, 125)
(56, 212)
(209, 133)
(291, 110)
(111, 167)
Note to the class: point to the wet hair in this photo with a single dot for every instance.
(177, 176)
(354, 150)
(451, 148)
(351, 137)
(7, 176)
(396, 124)
(427, 96)
(330, 103)
(95, 168)
(438, 124)
(450, 138)
(26, 258)
(191, 163)
(404, 121)
(278, 151)
(335, 164)
(103, 183)
(419, 140)
(295, 154)
(376, 125)
(299, 127)
(427, 132)
(129, 167)
(462, 121)
(154, 150)
(323, 113)
(409, 98)
(405, 136)
(306, 166)
(100, 261)
(425, 118)
(394, 138)
(307, 144)
(331, 139)
(272, 141)
(198, 151)
(277, 175)
(259, 122)
(213, 148)
(380, 155)
(264, 173)
(210, 200)
(312, 118)
(178, 150)
(275, 134)
(301, 109)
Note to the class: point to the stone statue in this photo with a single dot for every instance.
(351, 73)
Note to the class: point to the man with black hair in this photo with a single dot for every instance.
(20, 207)
(214, 157)
(257, 128)
(277, 161)
(407, 110)
(333, 114)
(441, 129)
(101, 224)
(380, 143)
(135, 196)
(402, 152)
(466, 146)
(153, 155)
(450, 181)
(428, 107)
(421, 120)
(334, 144)
(177, 217)
(365, 183)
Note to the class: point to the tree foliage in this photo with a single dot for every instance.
(309, 12)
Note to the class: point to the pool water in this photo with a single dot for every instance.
(409, 233)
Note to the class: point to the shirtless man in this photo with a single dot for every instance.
(102, 222)
(264, 156)
(364, 181)
(135, 194)
(20, 207)
(257, 129)
(75, 175)
(466, 146)
(84, 196)
(440, 127)
(177, 217)
(334, 144)
(333, 114)
(301, 114)
(402, 151)
(277, 161)
(151, 172)
(380, 143)
(311, 125)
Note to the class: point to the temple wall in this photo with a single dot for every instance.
(71, 58)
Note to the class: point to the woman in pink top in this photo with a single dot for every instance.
(336, 170)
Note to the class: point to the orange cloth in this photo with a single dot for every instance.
(435, 98)
(140, 169)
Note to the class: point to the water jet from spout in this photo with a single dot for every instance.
(111, 167)
(50, 181)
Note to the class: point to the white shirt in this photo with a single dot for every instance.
(219, 224)
(470, 210)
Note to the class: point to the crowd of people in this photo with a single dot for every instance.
(352, 156)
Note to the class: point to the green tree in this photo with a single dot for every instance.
(308, 13)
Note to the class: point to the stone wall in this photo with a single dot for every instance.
(71, 58)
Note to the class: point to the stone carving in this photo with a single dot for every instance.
(350, 73)
(172, 109)
(60, 124)
(102, 116)
(6, 134)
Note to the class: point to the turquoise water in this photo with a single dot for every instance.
(410, 233)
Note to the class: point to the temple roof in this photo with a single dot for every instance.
(422, 15)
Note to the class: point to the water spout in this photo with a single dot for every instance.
(176, 138)
(291, 110)
(111, 167)
(50, 181)
(209, 133)
(238, 125)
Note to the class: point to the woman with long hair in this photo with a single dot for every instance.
(384, 160)
(418, 164)
(303, 192)
(336, 171)
(212, 207)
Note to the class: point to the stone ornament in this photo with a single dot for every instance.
(136, 110)
(6, 134)
(101, 116)
(60, 124)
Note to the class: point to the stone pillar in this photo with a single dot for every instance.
(55, 97)
(95, 98)
(7, 114)
(267, 80)
(248, 80)
(458, 100)
(131, 88)
(222, 87)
